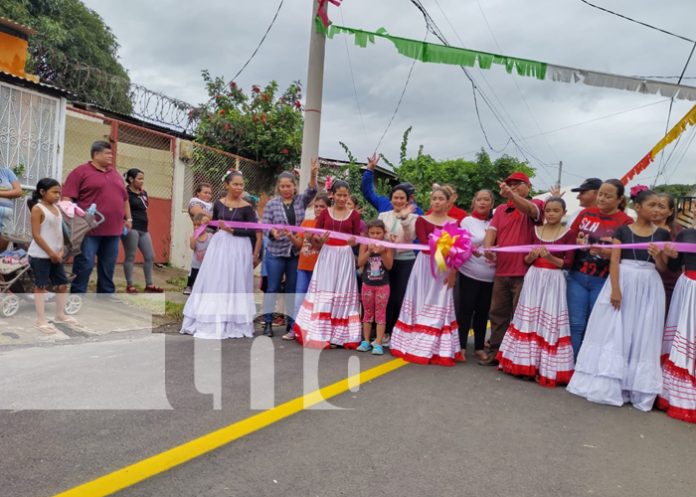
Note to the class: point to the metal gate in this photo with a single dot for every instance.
(31, 128)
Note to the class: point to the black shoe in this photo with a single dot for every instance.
(268, 329)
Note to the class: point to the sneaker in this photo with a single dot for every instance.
(187, 291)
(290, 335)
(363, 347)
(377, 350)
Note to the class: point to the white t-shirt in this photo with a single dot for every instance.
(477, 268)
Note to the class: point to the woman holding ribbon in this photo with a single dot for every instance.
(287, 208)
(426, 331)
(590, 270)
(222, 304)
(475, 281)
(330, 313)
(401, 228)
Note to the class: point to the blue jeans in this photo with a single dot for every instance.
(277, 267)
(303, 279)
(105, 248)
(583, 291)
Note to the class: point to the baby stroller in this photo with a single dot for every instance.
(16, 277)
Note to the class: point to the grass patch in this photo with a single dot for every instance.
(178, 282)
(174, 310)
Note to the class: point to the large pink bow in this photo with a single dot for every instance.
(450, 247)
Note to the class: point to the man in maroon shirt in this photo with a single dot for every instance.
(98, 182)
(512, 224)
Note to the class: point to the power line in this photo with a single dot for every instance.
(433, 28)
(401, 97)
(352, 77)
(607, 116)
(638, 22)
(263, 38)
(663, 166)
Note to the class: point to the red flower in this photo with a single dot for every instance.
(298, 104)
(256, 89)
(285, 151)
(221, 112)
(233, 85)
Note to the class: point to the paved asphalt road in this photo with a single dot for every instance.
(467, 430)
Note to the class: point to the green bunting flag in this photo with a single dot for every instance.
(442, 54)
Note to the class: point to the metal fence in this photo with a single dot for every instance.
(205, 164)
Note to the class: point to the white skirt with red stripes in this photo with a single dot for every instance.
(619, 360)
(537, 342)
(426, 331)
(678, 395)
(330, 313)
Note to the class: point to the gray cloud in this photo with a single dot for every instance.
(165, 44)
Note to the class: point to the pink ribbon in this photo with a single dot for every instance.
(516, 249)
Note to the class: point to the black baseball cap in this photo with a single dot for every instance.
(588, 184)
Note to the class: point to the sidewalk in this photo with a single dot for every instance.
(99, 314)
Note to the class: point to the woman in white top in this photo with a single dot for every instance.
(475, 281)
(401, 228)
(46, 253)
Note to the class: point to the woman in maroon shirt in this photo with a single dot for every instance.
(426, 331)
(330, 313)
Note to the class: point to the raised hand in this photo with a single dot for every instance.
(505, 190)
(315, 168)
(372, 161)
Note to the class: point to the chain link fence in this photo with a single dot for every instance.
(205, 164)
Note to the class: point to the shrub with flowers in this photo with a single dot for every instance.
(260, 125)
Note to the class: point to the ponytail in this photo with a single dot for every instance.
(42, 187)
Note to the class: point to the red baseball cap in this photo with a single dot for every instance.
(518, 176)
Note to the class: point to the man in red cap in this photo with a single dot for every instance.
(512, 224)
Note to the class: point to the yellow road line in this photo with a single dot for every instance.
(147, 468)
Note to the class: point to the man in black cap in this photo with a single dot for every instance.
(587, 195)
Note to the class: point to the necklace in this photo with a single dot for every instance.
(633, 240)
(340, 221)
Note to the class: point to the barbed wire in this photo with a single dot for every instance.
(111, 92)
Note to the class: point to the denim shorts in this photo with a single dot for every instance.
(47, 273)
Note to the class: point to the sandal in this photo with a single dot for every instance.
(153, 289)
(481, 355)
(131, 289)
(47, 329)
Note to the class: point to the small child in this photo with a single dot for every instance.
(46, 253)
(309, 253)
(376, 262)
(198, 245)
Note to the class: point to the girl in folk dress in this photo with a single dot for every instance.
(537, 343)
(376, 262)
(330, 313)
(222, 304)
(620, 357)
(426, 331)
(678, 395)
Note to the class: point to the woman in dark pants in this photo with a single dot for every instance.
(287, 208)
(475, 281)
(401, 228)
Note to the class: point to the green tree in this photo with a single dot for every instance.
(261, 126)
(676, 190)
(465, 176)
(74, 50)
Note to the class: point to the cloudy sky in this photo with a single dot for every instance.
(595, 132)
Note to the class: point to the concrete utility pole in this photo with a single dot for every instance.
(560, 172)
(314, 91)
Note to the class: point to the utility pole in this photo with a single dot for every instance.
(314, 91)
(560, 172)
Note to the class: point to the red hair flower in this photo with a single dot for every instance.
(637, 189)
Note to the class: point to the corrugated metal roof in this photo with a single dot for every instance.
(9, 23)
(29, 83)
